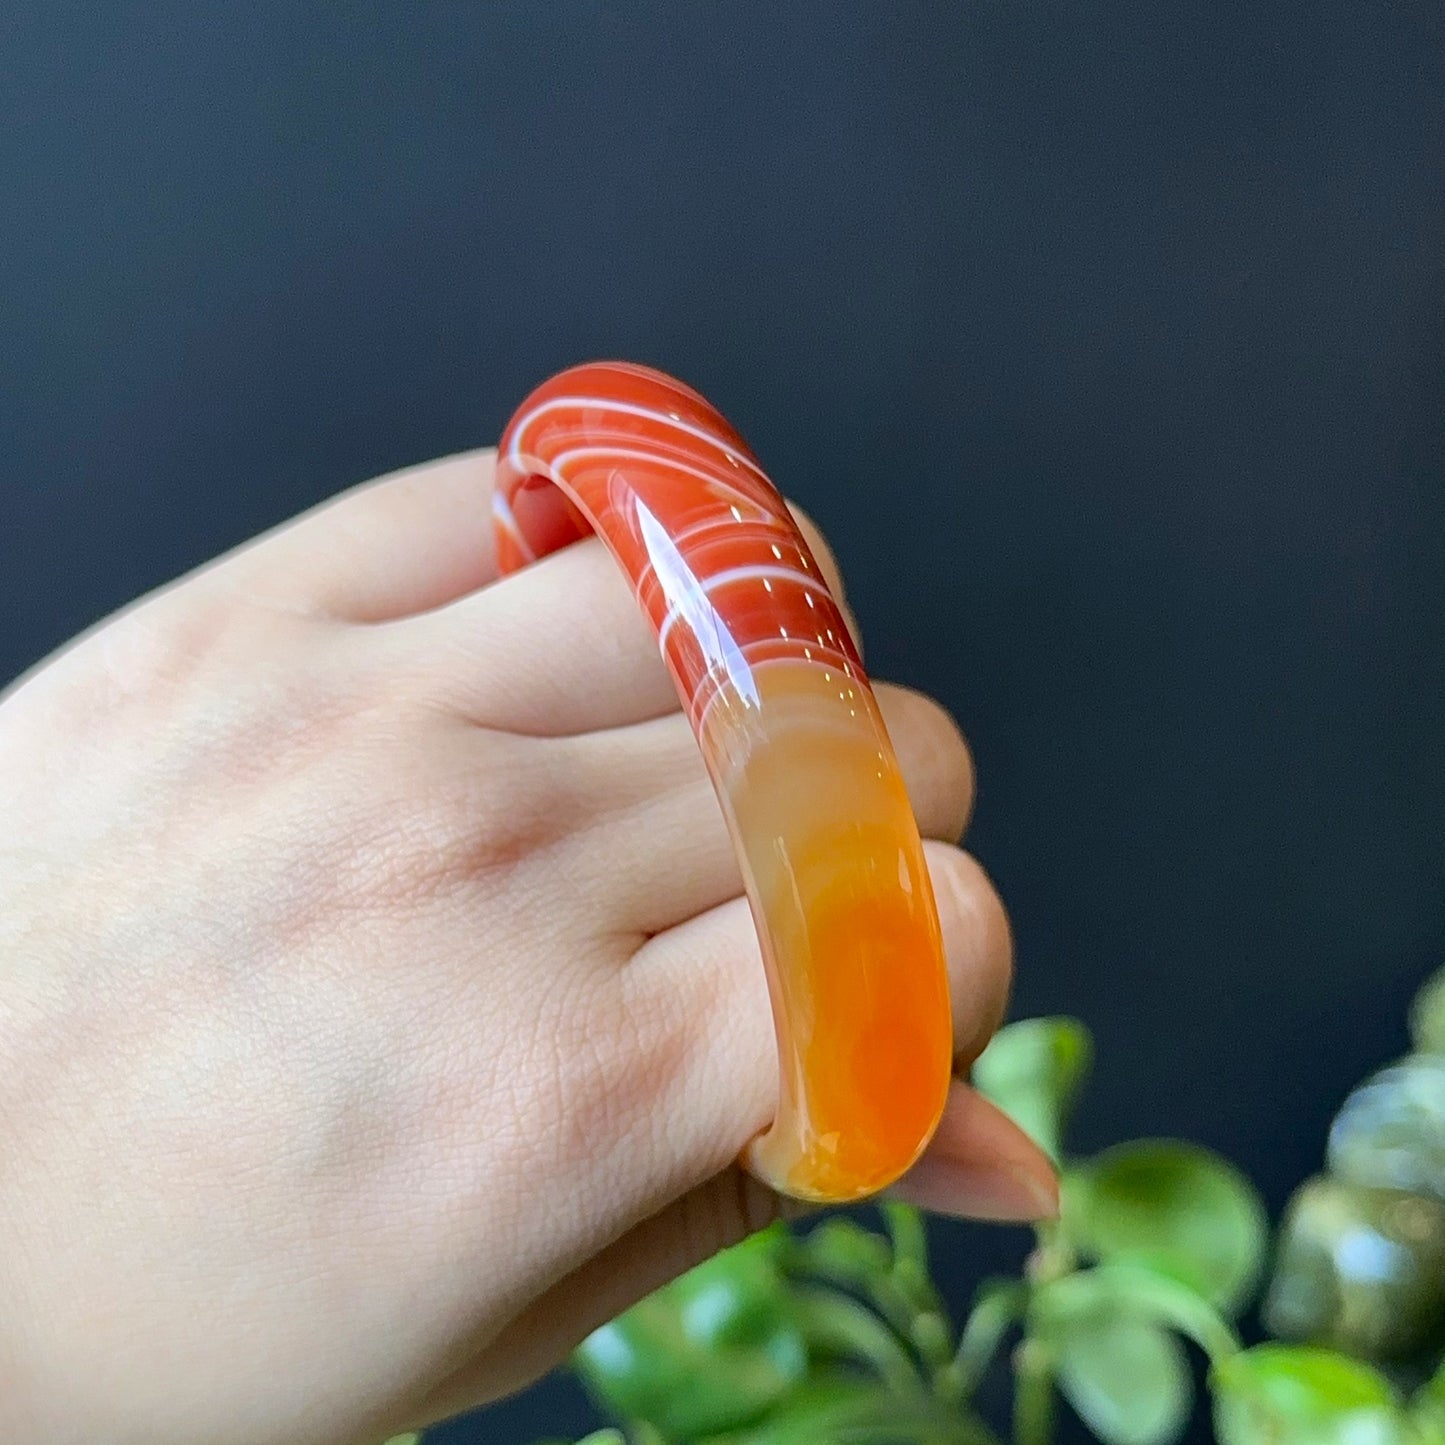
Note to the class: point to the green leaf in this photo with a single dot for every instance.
(711, 1351)
(829, 1412)
(609, 1436)
(415, 1439)
(1131, 1288)
(841, 1250)
(1299, 1395)
(1390, 1131)
(1361, 1270)
(1033, 1070)
(1176, 1207)
(1106, 1332)
(1427, 1016)
(846, 1254)
(1127, 1380)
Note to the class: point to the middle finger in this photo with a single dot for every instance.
(659, 833)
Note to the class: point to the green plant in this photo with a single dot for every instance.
(837, 1333)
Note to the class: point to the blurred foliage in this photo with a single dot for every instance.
(1361, 1251)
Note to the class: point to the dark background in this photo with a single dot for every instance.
(1104, 339)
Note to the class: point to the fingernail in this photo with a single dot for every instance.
(996, 1191)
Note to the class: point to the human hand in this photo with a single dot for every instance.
(381, 1008)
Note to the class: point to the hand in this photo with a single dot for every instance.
(381, 1012)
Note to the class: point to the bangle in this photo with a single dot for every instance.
(794, 744)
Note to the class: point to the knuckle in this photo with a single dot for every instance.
(974, 896)
(998, 949)
(980, 945)
(940, 729)
(933, 742)
(451, 816)
(821, 549)
(136, 663)
(186, 688)
(619, 1053)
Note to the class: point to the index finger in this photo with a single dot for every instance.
(402, 544)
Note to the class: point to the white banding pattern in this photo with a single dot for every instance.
(627, 408)
(720, 485)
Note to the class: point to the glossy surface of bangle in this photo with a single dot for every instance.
(794, 743)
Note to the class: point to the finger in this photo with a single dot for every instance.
(935, 760)
(401, 544)
(711, 968)
(827, 561)
(559, 648)
(979, 1166)
(697, 1001)
(658, 811)
(978, 944)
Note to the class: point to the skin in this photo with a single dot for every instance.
(380, 1011)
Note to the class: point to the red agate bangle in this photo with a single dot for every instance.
(793, 741)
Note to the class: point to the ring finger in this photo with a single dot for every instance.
(656, 811)
(710, 969)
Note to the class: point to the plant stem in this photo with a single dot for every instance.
(1053, 1255)
(1000, 1303)
(908, 1233)
(887, 1295)
(1033, 1395)
(837, 1322)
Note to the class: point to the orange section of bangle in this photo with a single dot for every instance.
(794, 744)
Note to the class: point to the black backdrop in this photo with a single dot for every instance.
(1105, 339)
